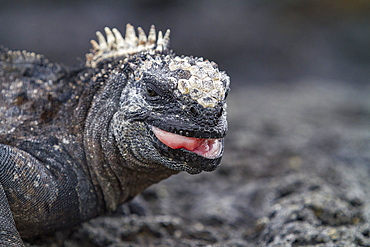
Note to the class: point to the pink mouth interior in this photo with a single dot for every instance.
(209, 148)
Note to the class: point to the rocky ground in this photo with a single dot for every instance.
(296, 172)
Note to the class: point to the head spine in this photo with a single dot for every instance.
(116, 46)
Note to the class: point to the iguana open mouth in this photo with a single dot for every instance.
(208, 148)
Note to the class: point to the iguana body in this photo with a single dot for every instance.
(76, 143)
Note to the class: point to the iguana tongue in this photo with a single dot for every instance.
(209, 148)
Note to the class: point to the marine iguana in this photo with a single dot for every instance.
(77, 142)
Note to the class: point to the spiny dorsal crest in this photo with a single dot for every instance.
(117, 46)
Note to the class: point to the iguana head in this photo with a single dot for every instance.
(172, 110)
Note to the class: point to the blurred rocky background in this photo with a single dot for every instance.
(296, 170)
(255, 41)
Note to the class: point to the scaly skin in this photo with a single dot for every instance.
(77, 142)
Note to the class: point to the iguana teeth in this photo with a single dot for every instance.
(208, 148)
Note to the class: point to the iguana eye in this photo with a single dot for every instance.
(151, 90)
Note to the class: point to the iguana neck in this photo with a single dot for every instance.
(116, 178)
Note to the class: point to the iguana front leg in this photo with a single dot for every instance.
(41, 195)
(9, 235)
